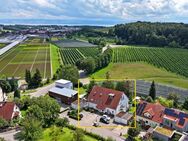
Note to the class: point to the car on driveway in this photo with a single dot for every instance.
(105, 119)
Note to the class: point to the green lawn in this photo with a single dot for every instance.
(67, 135)
(141, 70)
(81, 90)
(2, 45)
(54, 58)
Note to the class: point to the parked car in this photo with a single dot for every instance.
(106, 117)
(104, 120)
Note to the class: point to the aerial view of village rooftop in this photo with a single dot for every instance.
(94, 70)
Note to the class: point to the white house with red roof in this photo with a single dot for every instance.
(154, 114)
(107, 100)
(150, 114)
(9, 111)
(175, 119)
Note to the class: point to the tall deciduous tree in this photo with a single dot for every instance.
(5, 86)
(175, 98)
(31, 130)
(69, 72)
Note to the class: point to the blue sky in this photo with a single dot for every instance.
(92, 11)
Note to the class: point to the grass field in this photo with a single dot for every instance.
(2, 45)
(67, 135)
(55, 58)
(33, 54)
(141, 70)
(171, 59)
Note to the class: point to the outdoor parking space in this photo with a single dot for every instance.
(89, 119)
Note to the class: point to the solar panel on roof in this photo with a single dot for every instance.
(170, 112)
(182, 121)
(141, 107)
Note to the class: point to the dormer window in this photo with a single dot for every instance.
(147, 115)
(111, 96)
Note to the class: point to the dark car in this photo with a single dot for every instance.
(104, 120)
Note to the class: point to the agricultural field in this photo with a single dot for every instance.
(72, 43)
(32, 54)
(2, 45)
(141, 70)
(172, 60)
(71, 55)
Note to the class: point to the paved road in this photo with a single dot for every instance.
(42, 91)
(9, 136)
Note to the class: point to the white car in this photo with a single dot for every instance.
(106, 117)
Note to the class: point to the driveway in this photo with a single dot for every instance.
(104, 132)
(9, 135)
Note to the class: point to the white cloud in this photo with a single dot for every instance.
(95, 9)
(45, 3)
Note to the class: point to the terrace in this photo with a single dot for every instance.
(164, 131)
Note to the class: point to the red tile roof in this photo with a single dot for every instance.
(180, 117)
(104, 97)
(6, 110)
(156, 111)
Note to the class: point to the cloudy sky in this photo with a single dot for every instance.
(93, 11)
